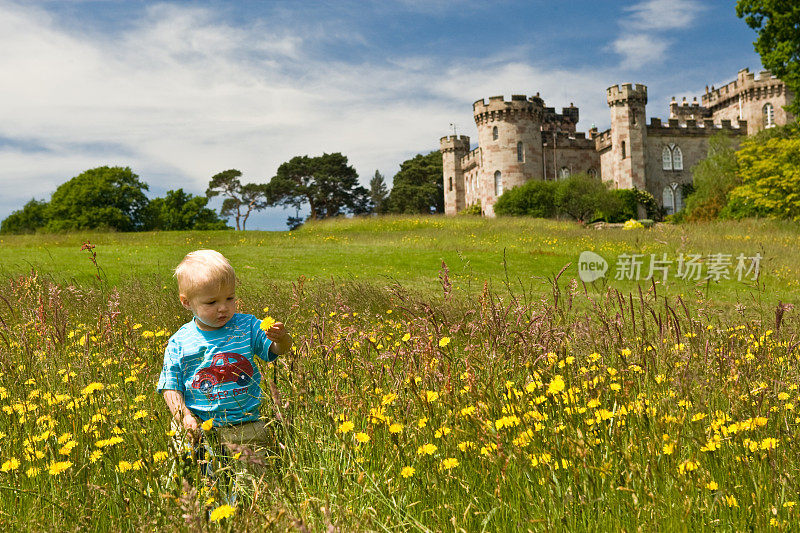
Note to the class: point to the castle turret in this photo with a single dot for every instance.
(510, 137)
(453, 148)
(628, 135)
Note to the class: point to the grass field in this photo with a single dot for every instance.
(481, 397)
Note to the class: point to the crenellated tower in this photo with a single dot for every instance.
(453, 148)
(628, 136)
(510, 138)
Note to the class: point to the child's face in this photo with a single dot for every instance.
(213, 305)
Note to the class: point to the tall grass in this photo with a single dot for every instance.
(490, 409)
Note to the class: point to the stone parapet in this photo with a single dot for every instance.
(454, 143)
(691, 128)
(566, 139)
(603, 140)
(744, 82)
(470, 160)
(520, 106)
(628, 92)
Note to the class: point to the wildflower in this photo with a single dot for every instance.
(467, 411)
(405, 339)
(789, 505)
(407, 471)
(123, 466)
(32, 471)
(67, 448)
(669, 448)
(221, 512)
(141, 413)
(267, 323)
(769, 443)
(346, 426)
(427, 449)
(95, 456)
(431, 396)
(362, 437)
(450, 462)
(388, 398)
(92, 387)
(687, 466)
(57, 468)
(207, 425)
(712, 485)
(556, 385)
(444, 341)
(730, 501)
(395, 428)
(422, 422)
(11, 464)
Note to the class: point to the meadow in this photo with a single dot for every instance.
(448, 374)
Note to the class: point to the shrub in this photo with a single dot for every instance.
(584, 197)
(535, 198)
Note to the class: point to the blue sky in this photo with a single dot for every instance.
(179, 91)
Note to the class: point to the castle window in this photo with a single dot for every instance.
(592, 172)
(498, 184)
(450, 184)
(769, 115)
(633, 117)
(520, 152)
(623, 149)
(667, 200)
(466, 184)
(563, 173)
(677, 158)
(666, 158)
(494, 133)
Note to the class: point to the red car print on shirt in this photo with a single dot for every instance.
(224, 367)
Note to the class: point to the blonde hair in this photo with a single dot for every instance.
(202, 268)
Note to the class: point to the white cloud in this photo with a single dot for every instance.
(180, 95)
(640, 49)
(663, 14)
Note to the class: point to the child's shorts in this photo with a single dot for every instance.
(252, 443)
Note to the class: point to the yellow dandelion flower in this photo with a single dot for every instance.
(669, 448)
(362, 437)
(556, 385)
(407, 471)
(395, 428)
(431, 396)
(405, 339)
(444, 341)
(207, 425)
(95, 456)
(428, 449)
(141, 413)
(57, 468)
(123, 466)
(422, 422)
(450, 462)
(267, 323)
(730, 501)
(32, 471)
(222, 512)
(11, 464)
(159, 456)
(92, 387)
(712, 485)
(346, 426)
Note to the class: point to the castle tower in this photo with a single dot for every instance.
(453, 148)
(510, 138)
(628, 135)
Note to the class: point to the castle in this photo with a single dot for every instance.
(522, 140)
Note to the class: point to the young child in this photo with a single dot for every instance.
(209, 369)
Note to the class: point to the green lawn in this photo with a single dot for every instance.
(410, 251)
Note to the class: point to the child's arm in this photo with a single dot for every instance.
(281, 340)
(181, 413)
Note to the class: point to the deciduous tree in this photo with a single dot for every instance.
(179, 210)
(418, 186)
(239, 200)
(29, 219)
(103, 197)
(326, 183)
(778, 25)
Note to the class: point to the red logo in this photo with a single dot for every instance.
(226, 367)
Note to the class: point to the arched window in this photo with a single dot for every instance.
(678, 194)
(450, 184)
(667, 200)
(466, 184)
(563, 173)
(592, 172)
(498, 184)
(666, 158)
(520, 152)
(494, 133)
(623, 149)
(769, 115)
(677, 158)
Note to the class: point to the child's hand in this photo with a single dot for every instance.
(281, 340)
(277, 332)
(192, 426)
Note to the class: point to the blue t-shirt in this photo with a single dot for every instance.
(216, 370)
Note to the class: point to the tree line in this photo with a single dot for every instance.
(114, 198)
